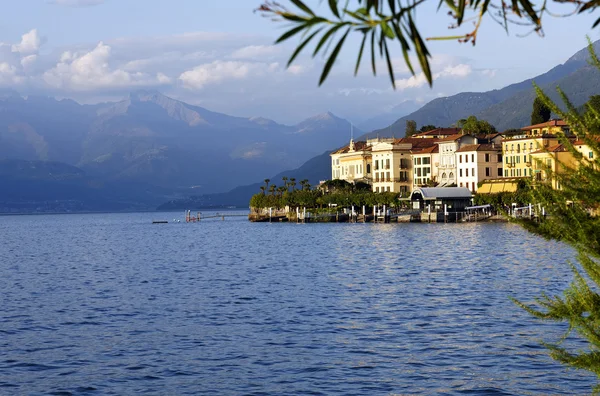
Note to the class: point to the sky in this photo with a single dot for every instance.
(221, 55)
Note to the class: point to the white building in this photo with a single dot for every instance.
(424, 166)
(478, 162)
(447, 165)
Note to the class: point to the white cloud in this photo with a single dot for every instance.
(28, 61)
(76, 3)
(256, 52)
(297, 69)
(419, 80)
(92, 70)
(219, 71)
(9, 74)
(490, 73)
(30, 43)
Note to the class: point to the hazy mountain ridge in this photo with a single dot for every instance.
(151, 138)
(509, 107)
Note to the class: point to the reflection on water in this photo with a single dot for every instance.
(114, 304)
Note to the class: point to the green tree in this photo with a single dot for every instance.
(427, 128)
(540, 113)
(411, 128)
(381, 22)
(475, 126)
(591, 108)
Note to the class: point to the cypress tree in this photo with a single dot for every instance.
(541, 112)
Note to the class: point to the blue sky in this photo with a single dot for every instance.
(219, 54)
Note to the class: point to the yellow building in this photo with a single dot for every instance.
(352, 163)
(517, 150)
(551, 161)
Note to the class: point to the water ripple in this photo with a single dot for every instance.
(110, 304)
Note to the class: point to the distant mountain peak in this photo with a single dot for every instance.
(174, 108)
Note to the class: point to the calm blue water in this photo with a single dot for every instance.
(111, 304)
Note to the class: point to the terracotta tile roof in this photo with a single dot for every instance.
(358, 146)
(451, 138)
(439, 132)
(427, 150)
(550, 123)
(418, 143)
(480, 147)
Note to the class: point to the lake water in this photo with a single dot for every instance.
(112, 304)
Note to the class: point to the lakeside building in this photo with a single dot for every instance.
(425, 166)
(535, 153)
(352, 163)
(517, 149)
(393, 163)
(478, 162)
(447, 170)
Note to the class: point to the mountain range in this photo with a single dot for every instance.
(167, 146)
(149, 149)
(509, 107)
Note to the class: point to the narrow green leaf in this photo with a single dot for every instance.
(333, 57)
(363, 11)
(326, 36)
(373, 53)
(356, 15)
(530, 11)
(360, 52)
(389, 64)
(302, 6)
(290, 33)
(421, 49)
(302, 45)
(461, 11)
(334, 8)
(404, 45)
(387, 30)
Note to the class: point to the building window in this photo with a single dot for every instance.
(488, 172)
(487, 157)
(467, 172)
(500, 158)
(426, 161)
(505, 172)
(368, 168)
(444, 176)
(451, 175)
(461, 184)
(472, 171)
(530, 146)
(591, 154)
(387, 164)
(460, 173)
(388, 189)
(460, 159)
(472, 157)
(500, 172)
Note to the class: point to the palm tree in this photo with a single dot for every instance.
(285, 181)
(281, 190)
(272, 188)
(267, 182)
(293, 183)
(305, 185)
(262, 190)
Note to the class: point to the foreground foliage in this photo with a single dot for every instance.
(574, 219)
(382, 22)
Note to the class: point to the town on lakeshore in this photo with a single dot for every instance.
(438, 175)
